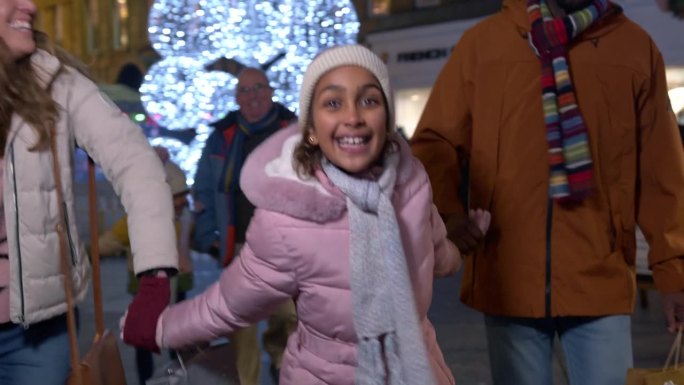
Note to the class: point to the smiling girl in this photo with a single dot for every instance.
(345, 225)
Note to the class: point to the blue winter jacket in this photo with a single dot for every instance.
(211, 224)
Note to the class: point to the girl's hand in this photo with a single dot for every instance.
(482, 219)
(463, 232)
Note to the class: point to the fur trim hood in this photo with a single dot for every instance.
(270, 182)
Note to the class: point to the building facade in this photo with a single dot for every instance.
(110, 36)
(415, 38)
(384, 15)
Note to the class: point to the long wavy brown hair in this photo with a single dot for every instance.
(23, 95)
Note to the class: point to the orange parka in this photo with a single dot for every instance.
(541, 258)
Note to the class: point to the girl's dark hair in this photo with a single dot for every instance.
(306, 158)
(22, 94)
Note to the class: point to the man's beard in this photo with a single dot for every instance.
(570, 6)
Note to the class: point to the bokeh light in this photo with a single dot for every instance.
(284, 36)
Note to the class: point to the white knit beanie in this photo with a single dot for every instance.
(338, 56)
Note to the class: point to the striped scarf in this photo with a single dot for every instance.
(571, 175)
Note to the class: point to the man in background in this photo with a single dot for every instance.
(223, 211)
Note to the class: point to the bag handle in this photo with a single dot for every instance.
(66, 266)
(675, 350)
(95, 250)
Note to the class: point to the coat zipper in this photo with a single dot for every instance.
(72, 250)
(22, 316)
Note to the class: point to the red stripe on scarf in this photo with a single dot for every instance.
(566, 99)
(556, 158)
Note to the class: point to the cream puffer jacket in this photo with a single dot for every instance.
(92, 122)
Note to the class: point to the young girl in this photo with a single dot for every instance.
(345, 226)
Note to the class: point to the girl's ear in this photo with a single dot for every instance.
(311, 137)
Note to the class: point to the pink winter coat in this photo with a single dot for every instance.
(298, 246)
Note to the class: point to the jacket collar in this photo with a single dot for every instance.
(46, 66)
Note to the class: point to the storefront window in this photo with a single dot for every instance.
(675, 83)
(426, 3)
(379, 7)
(92, 22)
(120, 24)
(52, 22)
(409, 105)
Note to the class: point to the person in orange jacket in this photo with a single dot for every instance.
(558, 111)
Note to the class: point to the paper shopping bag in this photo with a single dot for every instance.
(667, 375)
(101, 365)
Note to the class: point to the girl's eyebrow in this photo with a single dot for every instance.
(372, 85)
(337, 87)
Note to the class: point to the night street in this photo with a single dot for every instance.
(460, 330)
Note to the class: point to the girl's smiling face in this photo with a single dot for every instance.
(16, 26)
(349, 118)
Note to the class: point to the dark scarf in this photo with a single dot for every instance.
(571, 175)
(229, 182)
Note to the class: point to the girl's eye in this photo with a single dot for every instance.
(333, 103)
(369, 101)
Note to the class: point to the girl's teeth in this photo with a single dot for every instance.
(351, 140)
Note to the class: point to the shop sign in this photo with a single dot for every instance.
(429, 54)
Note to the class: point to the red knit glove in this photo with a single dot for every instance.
(154, 295)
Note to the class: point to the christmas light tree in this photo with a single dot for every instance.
(191, 87)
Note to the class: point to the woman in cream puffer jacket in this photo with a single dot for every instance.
(47, 106)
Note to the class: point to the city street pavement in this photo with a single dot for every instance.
(460, 330)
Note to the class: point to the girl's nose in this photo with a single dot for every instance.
(354, 118)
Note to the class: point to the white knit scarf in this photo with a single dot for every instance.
(391, 348)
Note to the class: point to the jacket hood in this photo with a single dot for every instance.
(270, 182)
(516, 11)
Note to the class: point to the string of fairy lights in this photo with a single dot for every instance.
(178, 92)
